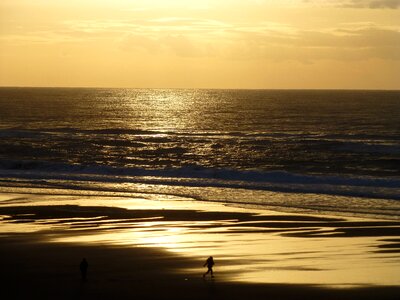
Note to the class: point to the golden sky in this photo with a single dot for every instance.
(201, 43)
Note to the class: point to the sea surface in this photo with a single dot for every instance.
(317, 151)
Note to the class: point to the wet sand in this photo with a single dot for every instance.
(155, 250)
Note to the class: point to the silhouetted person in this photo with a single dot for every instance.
(209, 263)
(83, 266)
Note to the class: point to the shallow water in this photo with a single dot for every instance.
(247, 245)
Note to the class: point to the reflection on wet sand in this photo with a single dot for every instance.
(249, 246)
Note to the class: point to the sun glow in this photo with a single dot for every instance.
(235, 44)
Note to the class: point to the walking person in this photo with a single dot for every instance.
(209, 263)
(83, 266)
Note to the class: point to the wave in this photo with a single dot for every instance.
(16, 131)
(21, 131)
(370, 148)
(194, 176)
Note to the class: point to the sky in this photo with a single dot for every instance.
(271, 44)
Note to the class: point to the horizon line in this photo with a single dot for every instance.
(200, 88)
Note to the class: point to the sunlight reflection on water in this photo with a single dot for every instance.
(243, 251)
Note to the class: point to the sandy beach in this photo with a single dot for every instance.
(142, 141)
(145, 249)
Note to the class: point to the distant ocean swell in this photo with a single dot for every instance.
(168, 135)
(295, 152)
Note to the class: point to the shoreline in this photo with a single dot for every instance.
(149, 195)
(155, 249)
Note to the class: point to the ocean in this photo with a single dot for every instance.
(315, 151)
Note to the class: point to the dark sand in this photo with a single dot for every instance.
(35, 265)
(34, 269)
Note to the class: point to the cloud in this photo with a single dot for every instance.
(170, 25)
(186, 37)
(384, 4)
(353, 42)
(201, 37)
(373, 4)
(178, 45)
(393, 4)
